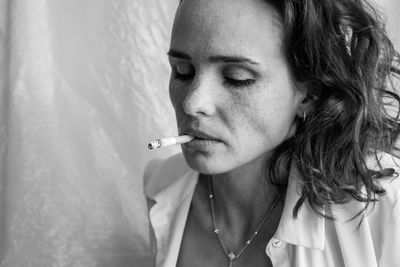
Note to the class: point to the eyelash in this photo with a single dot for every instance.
(239, 83)
(183, 77)
(229, 81)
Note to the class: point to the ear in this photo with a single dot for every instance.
(306, 105)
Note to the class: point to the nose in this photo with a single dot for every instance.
(200, 98)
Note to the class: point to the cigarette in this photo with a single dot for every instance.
(170, 141)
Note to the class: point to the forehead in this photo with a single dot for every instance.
(227, 26)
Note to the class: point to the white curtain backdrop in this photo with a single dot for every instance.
(391, 9)
(83, 88)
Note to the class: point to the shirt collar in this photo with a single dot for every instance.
(308, 228)
(178, 189)
(169, 181)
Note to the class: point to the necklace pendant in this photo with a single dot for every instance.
(231, 256)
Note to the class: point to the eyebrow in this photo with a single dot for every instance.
(214, 59)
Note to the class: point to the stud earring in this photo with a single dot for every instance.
(304, 116)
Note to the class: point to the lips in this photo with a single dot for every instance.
(197, 134)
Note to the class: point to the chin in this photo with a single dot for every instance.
(205, 164)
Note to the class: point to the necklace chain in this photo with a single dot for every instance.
(231, 255)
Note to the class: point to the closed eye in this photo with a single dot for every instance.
(183, 72)
(238, 83)
(183, 77)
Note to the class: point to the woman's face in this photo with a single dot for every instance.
(230, 83)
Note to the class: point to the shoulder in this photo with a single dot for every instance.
(384, 214)
(160, 173)
(390, 184)
(386, 210)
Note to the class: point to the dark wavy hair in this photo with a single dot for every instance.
(339, 50)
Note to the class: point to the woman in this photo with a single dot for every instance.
(295, 120)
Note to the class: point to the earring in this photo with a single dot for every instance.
(304, 116)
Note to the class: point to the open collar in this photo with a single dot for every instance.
(308, 228)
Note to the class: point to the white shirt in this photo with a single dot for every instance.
(307, 241)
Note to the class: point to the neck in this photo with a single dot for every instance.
(243, 195)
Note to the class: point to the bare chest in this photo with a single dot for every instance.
(200, 246)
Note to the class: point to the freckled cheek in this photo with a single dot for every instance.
(278, 117)
(241, 117)
(261, 117)
(255, 123)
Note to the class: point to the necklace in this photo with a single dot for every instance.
(231, 255)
